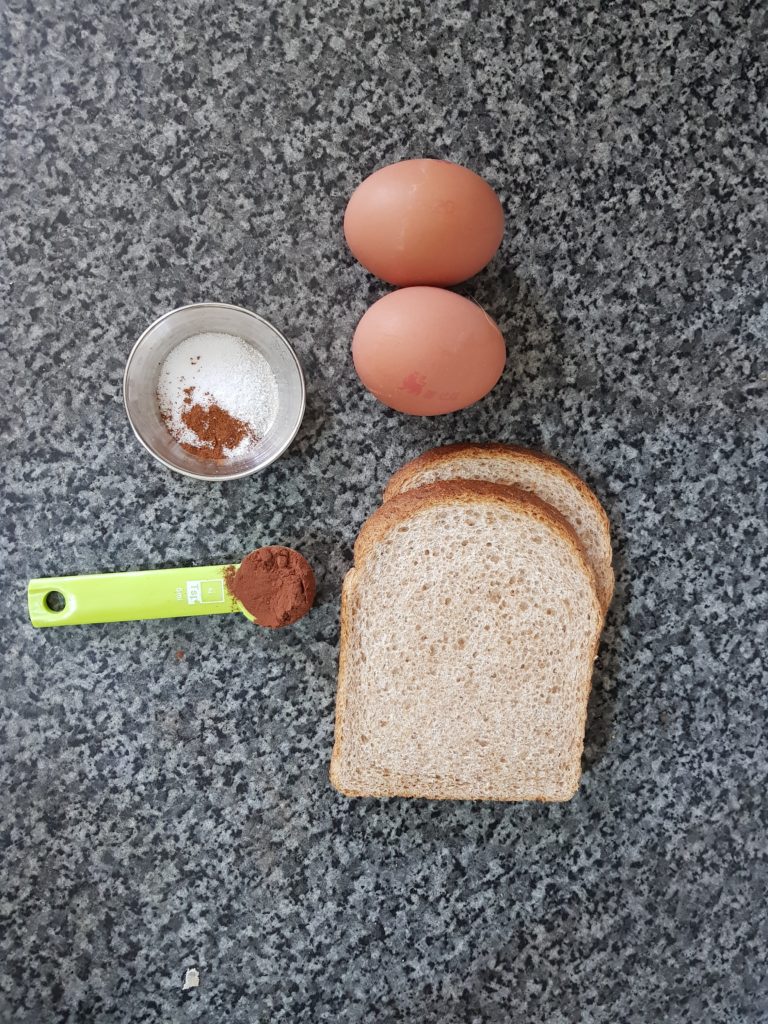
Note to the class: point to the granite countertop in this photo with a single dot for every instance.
(163, 786)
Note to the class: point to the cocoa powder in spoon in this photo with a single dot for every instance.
(275, 584)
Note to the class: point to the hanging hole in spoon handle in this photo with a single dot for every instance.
(51, 602)
(55, 601)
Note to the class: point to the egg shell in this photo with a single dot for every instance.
(424, 222)
(427, 351)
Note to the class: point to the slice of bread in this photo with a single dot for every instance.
(543, 476)
(469, 627)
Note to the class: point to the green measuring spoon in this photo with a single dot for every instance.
(127, 596)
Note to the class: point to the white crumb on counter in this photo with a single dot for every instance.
(191, 978)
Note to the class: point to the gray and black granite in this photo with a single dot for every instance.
(164, 790)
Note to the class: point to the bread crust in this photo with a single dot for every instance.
(401, 479)
(386, 518)
(341, 689)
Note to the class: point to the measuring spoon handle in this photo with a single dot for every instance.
(127, 596)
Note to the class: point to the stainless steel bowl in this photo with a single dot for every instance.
(142, 373)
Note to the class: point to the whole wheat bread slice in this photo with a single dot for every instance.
(532, 471)
(469, 627)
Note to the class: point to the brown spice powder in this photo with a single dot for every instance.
(217, 429)
(275, 584)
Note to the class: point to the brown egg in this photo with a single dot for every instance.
(427, 351)
(424, 222)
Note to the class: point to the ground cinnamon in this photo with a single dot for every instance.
(217, 429)
(275, 584)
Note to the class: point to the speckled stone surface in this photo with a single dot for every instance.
(163, 785)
